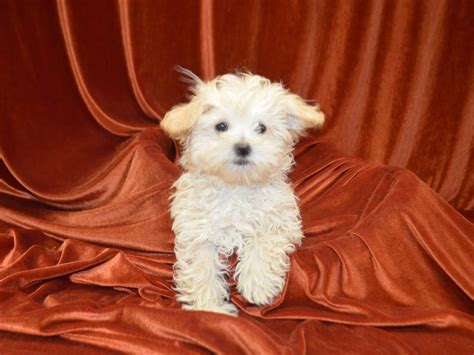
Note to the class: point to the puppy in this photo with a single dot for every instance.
(237, 135)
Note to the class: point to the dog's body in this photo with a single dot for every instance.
(237, 135)
(260, 223)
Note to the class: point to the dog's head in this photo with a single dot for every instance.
(240, 127)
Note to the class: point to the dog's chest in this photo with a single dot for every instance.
(235, 210)
(228, 214)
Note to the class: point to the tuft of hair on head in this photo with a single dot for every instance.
(188, 77)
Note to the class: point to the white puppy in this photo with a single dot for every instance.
(237, 135)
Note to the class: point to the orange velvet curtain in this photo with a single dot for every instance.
(85, 240)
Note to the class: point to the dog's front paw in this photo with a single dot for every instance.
(225, 308)
(260, 286)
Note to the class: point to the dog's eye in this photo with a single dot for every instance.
(221, 127)
(261, 128)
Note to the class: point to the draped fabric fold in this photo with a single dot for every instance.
(86, 248)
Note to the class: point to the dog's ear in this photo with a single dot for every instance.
(179, 122)
(301, 115)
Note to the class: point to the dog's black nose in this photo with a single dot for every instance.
(242, 150)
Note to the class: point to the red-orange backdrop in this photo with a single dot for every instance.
(85, 240)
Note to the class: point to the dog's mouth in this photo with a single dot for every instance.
(241, 162)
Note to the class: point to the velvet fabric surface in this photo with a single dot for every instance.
(86, 248)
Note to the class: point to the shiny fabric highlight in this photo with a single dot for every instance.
(86, 248)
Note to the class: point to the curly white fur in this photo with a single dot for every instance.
(226, 203)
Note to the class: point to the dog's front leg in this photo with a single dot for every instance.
(262, 267)
(200, 279)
